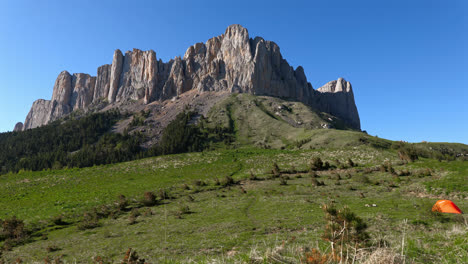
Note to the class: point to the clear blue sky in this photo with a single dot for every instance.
(407, 60)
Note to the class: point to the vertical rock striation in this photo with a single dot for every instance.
(231, 62)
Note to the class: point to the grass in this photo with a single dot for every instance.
(225, 205)
(209, 221)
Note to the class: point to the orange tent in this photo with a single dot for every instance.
(446, 206)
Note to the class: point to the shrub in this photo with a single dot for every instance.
(217, 181)
(133, 216)
(52, 248)
(275, 171)
(363, 179)
(404, 173)
(315, 182)
(317, 164)
(183, 209)
(228, 180)
(122, 202)
(252, 176)
(149, 199)
(58, 220)
(424, 172)
(199, 183)
(344, 227)
(163, 194)
(283, 180)
(90, 220)
(148, 212)
(131, 257)
(13, 229)
(351, 163)
(314, 256)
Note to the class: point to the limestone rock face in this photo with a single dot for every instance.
(62, 88)
(138, 75)
(101, 90)
(18, 127)
(39, 114)
(231, 62)
(82, 90)
(116, 70)
(337, 98)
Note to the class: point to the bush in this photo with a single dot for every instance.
(122, 202)
(276, 170)
(58, 220)
(149, 199)
(363, 179)
(52, 248)
(228, 180)
(317, 164)
(90, 220)
(131, 257)
(404, 173)
(252, 176)
(315, 182)
(283, 180)
(199, 183)
(133, 216)
(344, 227)
(13, 229)
(163, 194)
(183, 210)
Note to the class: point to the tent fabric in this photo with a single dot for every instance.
(446, 206)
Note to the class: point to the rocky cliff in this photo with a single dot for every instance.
(231, 62)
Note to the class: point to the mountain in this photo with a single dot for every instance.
(230, 63)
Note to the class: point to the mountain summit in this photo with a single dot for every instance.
(232, 62)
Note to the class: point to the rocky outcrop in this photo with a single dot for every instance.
(82, 90)
(337, 98)
(18, 126)
(116, 70)
(101, 90)
(71, 92)
(231, 62)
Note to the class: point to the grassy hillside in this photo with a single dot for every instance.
(200, 219)
(256, 197)
(270, 122)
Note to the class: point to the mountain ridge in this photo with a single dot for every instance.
(231, 62)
